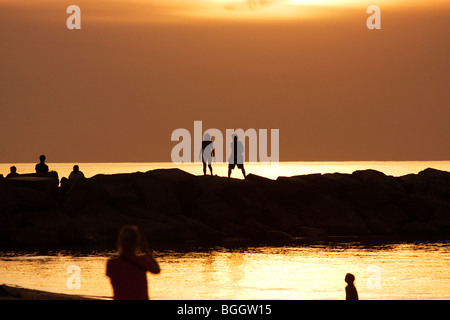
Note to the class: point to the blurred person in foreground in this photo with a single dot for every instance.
(128, 271)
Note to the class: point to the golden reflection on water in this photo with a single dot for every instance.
(402, 271)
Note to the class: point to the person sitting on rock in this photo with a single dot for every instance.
(76, 174)
(13, 172)
(41, 167)
(350, 290)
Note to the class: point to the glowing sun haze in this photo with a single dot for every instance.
(139, 69)
(152, 11)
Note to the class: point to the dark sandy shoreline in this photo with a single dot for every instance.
(10, 292)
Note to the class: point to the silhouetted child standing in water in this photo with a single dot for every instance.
(350, 290)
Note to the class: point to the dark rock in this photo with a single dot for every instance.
(429, 181)
(169, 232)
(276, 235)
(420, 206)
(384, 219)
(8, 291)
(374, 189)
(311, 232)
(256, 178)
(370, 176)
(28, 236)
(417, 228)
(170, 205)
(336, 217)
(440, 220)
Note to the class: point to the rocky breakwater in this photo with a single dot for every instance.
(172, 206)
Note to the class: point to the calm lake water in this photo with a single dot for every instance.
(297, 271)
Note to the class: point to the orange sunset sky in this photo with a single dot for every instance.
(138, 69)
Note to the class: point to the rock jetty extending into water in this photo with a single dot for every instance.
(172, 206)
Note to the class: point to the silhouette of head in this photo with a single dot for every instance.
(349, 278)
(129, 240)
(207, 137)
(13, 169)
(42, 158)
(76, 168)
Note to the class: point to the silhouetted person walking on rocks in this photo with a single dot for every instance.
(41, 167)
(350, 290)
(237, 156)
(128, 271)
(13, 172)
(208, 153)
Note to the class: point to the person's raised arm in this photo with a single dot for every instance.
(152, 265)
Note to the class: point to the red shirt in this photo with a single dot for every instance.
(129, 278)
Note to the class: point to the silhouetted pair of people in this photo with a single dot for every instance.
(128, 271)
(236, 157)
(41, 167)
